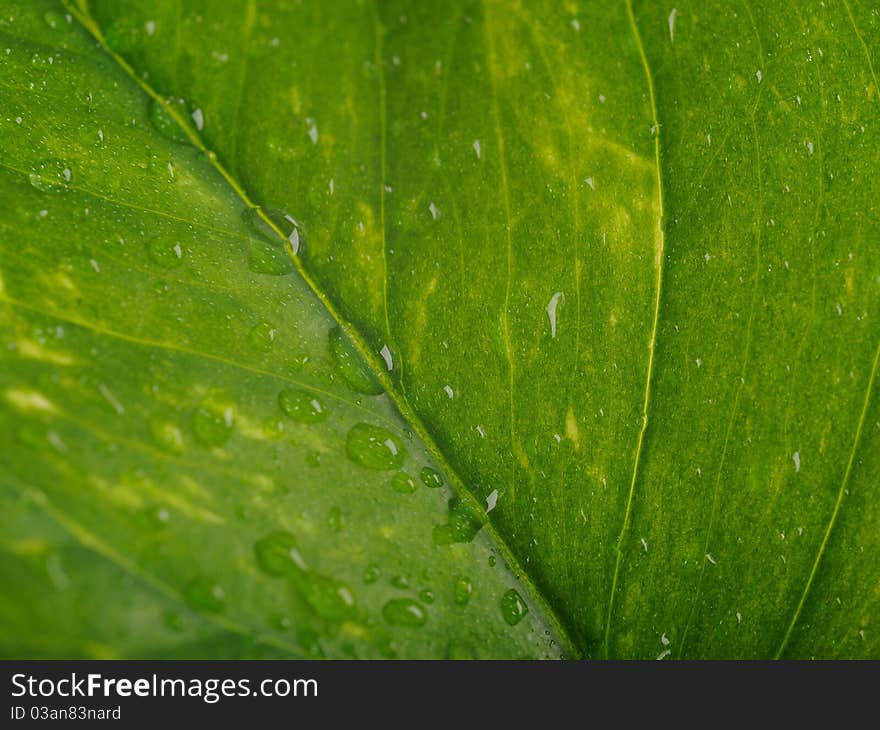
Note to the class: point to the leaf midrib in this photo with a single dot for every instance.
(456, 481)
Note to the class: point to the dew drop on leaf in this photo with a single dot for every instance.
(164, 253)
(167, 435)
(53, 20)
(430, 477)
(462, 591)
(212, 423)
(204, 594)
(278, 555)
(329, 598)
(301, 406)
(50, 176)
(403, 483)
(374, 447)
(464, 523)
(513, 607)
(404, 612)
(351, 366)
(427, 596)
(262, 337)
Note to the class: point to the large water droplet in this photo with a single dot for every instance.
(464, 523)
(404, 612)
(403, 483)
(166, 254)
(301, 406)
(462, 591)
(204, 594)
(374, 447)
(278, 554)
(50, 176)
(513, 607)
(166, 124)
(430, 477)
(351, 366)
(212, 423)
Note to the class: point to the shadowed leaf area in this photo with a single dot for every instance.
(439, 330)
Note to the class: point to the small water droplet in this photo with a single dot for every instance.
(430, 477)
(513, 607)
(301, 406)
(50, 176)
(351, 366)
(166, 124)
(204, 594)
(403, 483)
(374, 447)
(262, 336)
(427, 596)
(462, 591)
(53, 20)
(164, 253)
(329, 598)
(404, 612)
(372, 573)
(167, 435)
(400, 581)
(213, 423)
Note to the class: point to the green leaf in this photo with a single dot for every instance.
(615, 266)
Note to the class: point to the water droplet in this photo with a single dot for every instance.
(403, 483)
(167, 435)
(166, 124)
(212, 423)
(53, 20)
(492, 561)
(400, 581)
(427, 596)
(278, 554)
(351, 366)
(50, 176)
(372, 573)
(462, 591)
(329, 598)
(273, 428)
(166, 254)
(262, 337)
(430, 477)
(513, 607)
(301, 406)
(374, 447)
(204, 594)
(404, 612)
(464, 523)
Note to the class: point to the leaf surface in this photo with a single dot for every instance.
(616, 265)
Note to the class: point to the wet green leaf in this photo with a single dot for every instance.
(404, 329)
